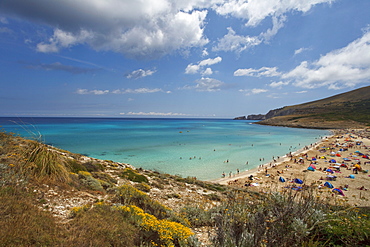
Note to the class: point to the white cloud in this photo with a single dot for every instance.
(204, 52)
(300, 50)
(122, 91)
(264, 71)
(207, 71)
(194, 68)
(140, 73)
(139, 29)
(279, 84)
(253, 91)
(340, 68)
(96, 92)
(154, 114)
(233, 42)
(208, 85)
(258, 90)
(254, 12)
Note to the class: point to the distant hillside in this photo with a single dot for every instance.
(346, 110)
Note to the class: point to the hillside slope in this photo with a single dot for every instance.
(346, 110)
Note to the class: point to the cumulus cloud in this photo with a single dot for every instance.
(140, 73)
(340, 68)
(194, 68)
(154, 114)
(233, 42)
(138, 29)
(122, 91)
(254, 12)
(264, 71)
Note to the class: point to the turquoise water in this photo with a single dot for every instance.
(203, 148)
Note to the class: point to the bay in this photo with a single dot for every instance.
(202, 148)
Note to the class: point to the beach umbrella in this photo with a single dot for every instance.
(330, 170)
(281, 179)
(313, 158)
(339, 191)
(298, 181)
(351, 176)
(329, 185)
(338, 155)
(313, 166)
(310, 168)
(332, 161)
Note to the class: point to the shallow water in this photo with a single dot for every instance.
(203, 148)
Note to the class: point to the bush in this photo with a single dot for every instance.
(128, 195)
(75, 166)
(87, 179)
(93, 166)
(143, 187)
(158, 232)
(287, 219)
(133, 176)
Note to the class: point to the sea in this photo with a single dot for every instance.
(201, 148)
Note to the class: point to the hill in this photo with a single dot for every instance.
(346, 110)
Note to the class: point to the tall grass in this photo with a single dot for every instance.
(42, 163)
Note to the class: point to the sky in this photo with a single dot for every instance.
(178, 58)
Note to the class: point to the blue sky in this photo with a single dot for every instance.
(163, 58)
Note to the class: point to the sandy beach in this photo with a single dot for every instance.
(341, 160)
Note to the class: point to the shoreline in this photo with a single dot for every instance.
(278, 162)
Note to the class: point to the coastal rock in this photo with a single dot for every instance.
(240, 118)
(256, 117)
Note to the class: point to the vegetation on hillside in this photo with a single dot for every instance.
(353, 106)
(127, 214)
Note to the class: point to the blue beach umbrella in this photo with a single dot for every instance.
(281, 179)
(298, 181)
(310, 168)
(339, 191)
(329, 185)
(330, 170)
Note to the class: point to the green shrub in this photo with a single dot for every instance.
(93, 166)
(75, 166)
(128, 195)
(87, 179)
(133, 176)
(105, 177)
(143, 187)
